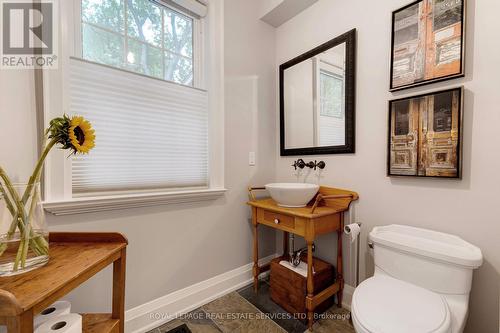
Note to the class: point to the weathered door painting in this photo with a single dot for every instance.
(444, 24)
(439, 135)
(409, 45)
(404, 143)
(427, 42)
(425, 135)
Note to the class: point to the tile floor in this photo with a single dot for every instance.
(243, 311)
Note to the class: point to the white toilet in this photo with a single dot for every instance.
(421, 284)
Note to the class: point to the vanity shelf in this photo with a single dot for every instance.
(324, 214)
(74, 258)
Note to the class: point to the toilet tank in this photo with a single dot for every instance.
(433, 260)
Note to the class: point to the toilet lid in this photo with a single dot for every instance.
(386, 305)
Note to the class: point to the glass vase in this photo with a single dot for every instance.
(24, 235)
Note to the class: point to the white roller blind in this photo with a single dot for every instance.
(150, 134)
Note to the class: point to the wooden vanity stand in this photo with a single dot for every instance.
(324, 214)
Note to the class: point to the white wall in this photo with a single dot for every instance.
(172, 247)
(468, 208)
(18, 143)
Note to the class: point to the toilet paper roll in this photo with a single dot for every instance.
(56, 309)
(353, 231)
(67, 323)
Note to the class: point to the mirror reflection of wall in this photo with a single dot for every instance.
(315, 100)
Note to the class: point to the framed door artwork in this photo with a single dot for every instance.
(428, 43)
(425, 135)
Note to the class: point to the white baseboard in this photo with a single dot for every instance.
(159, 311)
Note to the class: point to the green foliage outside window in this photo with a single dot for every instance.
(331, 95)
(139, 35)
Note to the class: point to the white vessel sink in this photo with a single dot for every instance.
(292, 194)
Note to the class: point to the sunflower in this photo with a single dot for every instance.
(81, 135)
(74, 133)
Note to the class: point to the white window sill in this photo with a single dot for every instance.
(105, 203)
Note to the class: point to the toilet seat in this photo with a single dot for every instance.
(382, 304)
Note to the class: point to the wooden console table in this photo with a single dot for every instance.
(324, 214)
(74, 258)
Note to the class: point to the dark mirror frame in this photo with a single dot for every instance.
(349, 38)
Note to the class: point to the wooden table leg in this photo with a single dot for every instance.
(255, 250)
(119, 289)
(310, 284)
(340, 276)
(21, 324)
(285, 243)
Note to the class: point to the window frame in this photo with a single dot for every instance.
(58, 196)
(322, 67)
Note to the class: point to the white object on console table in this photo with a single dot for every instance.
(56, 309)
(68, 323)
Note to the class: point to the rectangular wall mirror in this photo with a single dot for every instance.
(317, 99)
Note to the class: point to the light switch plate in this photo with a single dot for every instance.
(251, 158)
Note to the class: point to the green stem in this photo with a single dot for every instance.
(20, 211)
(34, 177)
(27, 231)
(24, 249)
(8, 203)
(13, 193)
(18, 255)
(33, 203)
(38, 169)
(28, 238)
(39, 244)
(7, 200)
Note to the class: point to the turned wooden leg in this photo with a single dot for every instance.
(119, 290)
(340, 277)
(285, 243)
(310, 285)
(255, 251)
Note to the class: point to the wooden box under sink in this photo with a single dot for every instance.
(289, 289)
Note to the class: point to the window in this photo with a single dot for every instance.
(150, 134)
(159, 133)
(329, 98)
(332, 94)
(141, 36)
